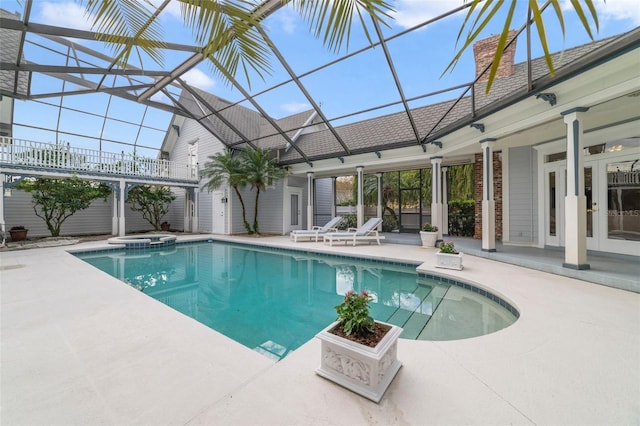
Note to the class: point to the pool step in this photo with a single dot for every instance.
(421, 316)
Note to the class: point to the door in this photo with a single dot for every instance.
(555, 182)
(555, 191)
(218, 213)
(294, 210)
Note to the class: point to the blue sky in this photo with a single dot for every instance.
(358, 83)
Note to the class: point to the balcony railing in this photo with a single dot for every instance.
(63, 157)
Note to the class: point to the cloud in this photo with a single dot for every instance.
(611, 10)
(66, 15)
(294, 107)
(619, 10)
(199, 79)
(287, 20)
(172, 9)
(410, 13)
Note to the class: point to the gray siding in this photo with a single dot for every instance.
(523, 210)
(322, 202)
(207, 145)
(205, 213)
(94, 220)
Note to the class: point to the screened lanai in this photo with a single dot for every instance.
(63, 84)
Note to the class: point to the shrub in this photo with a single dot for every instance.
(427, 227)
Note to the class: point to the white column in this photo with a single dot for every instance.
(379, 210)
(436, 194)
(575, 203)
(123, 197)
(187, 211)
(488, 199)
(445, 203)
(194, 221)
(310, 196)
(334, 213)
(360, 202)
(3, 225)
(114, 217)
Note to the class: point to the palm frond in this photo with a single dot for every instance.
(333, 19)
(474, 25)
(127, 25)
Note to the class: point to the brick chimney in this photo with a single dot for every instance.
(484, 50)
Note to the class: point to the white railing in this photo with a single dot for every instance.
(30, 154)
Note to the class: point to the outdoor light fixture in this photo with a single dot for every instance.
(548, 97)
(478, 126)
(378, 154)
(341, 160)
(437, 143)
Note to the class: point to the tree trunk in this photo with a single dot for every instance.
(247, 226)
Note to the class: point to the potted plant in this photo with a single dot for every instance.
(18, 233)
(448, 257)
(165, 226)
(429, 235)
(358, 352)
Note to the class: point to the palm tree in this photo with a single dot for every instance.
(260, 170)
(225, 167)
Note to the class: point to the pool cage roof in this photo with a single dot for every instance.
(411, 104)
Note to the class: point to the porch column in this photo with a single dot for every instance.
(379, 210)
(310, 196)
(114, 217)
(575, 202)
(488, 201)
(194, 220)
(360, 202)
(436, 195)
(445, 202)
(123, 197)
(334, 212)
(3, 225)
(187, 211)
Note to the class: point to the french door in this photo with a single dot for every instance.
(612, 191)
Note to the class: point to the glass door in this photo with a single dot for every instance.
(619, 218)
(555, 191)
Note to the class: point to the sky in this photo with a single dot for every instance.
(360, 82)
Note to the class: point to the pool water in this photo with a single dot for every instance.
(273, 301)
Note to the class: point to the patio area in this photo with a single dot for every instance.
(81, 347)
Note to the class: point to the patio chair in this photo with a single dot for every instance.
(316, 231)
(366, 232)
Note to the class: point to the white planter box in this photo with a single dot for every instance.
(359, 368)
(428, 238)
(449, 261)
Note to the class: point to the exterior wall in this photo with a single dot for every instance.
(191, 132)
(497, 193)
(94, 220)
(270, 209)
(322, 202)
(523, 189)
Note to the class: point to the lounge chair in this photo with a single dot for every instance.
(366, 232)
(316, 231)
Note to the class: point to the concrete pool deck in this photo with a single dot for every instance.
(80, 347)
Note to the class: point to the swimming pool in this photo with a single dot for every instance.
(275, 300)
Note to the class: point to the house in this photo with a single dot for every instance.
(556, 156)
